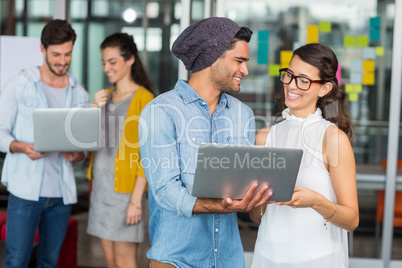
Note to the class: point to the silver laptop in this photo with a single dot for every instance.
(229, 171)
(66, 129)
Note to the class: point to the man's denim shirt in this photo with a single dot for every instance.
(18, 99)
(171, 128)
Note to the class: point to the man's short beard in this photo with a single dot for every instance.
(53, 71)
(230, 90)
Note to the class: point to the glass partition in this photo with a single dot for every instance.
(153, 24)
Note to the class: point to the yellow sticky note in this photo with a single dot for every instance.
(349, 41)
(379, 51)
(353, 97)
(325, 26)
(286, 56)
(312, 34)
(358, 88)
(349, 88)
(368, 79)
(368, 66)
(353, 88)
(362, 41)
(273, 69)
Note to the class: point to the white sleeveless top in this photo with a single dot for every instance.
(297, 238)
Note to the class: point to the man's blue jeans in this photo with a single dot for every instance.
(23, 218)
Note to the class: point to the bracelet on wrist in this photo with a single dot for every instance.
(332, 217)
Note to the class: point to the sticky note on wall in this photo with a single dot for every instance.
(368, 66)
(362, 41)
(353, 90)
(375, 22)
(368, 79)
(353, 97)
(349, 41)
(262, 48)
(369, 53)
(338, 73)
(273, 69)
(356, 72)
(263, 36)
(325, 26)
(379, 51)
(368, 72)
(312, 34)
(356, 66)
(375, 34)
(356, 77)
(286, 56)
(375, 26)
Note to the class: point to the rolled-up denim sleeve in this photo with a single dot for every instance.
(160, 156)
(8, 111)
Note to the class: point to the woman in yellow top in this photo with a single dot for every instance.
(115, 213)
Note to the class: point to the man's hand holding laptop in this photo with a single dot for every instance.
(251, 199)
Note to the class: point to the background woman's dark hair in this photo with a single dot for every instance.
(57, 32)
(334, 105)
(128, 48)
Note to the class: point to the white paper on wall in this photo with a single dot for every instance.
(16, 53)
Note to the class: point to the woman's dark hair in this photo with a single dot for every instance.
(334, 105)
(128, 48)
(57, 32)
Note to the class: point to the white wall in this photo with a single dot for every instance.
(16, 53)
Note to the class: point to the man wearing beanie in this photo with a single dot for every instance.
(186, 231)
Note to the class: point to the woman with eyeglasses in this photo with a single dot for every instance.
(311, 229)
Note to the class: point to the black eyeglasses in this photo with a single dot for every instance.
(303, 83)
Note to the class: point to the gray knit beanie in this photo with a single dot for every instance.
(203, 42)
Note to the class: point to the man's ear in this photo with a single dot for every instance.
(326, 88)
(42, 49)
